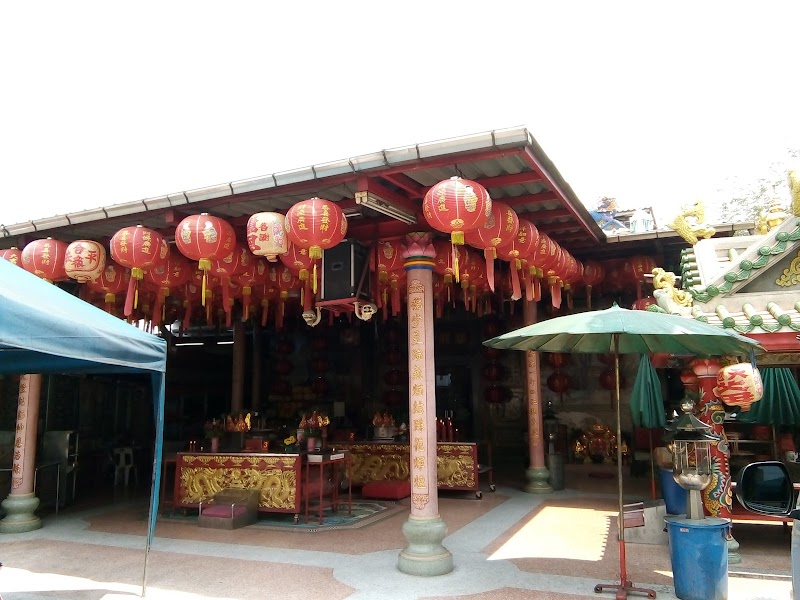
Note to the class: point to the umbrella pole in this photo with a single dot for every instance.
(652, 466)
(625, 585)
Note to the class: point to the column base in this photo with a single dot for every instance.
(538, 481)
(424, 555)
(19, 514)
(734, 558)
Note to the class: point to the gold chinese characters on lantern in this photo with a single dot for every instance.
(739, 385)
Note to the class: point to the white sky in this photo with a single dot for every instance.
(104, 102)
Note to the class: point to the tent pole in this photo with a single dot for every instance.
(157, 380)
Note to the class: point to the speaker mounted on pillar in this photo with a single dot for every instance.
(345, 281)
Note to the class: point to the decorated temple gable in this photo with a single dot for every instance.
(748, 283)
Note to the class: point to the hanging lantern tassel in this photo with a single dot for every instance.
(490, 254)
(110, 299)
(307, 297)
(314, 279)
(132, 299)
(528, 278)
(281, 312)
(205, 267)
(555, 291)
(516, 290)
(246, 293)
(588, 296)
(395, 299)
(264, 311)
(158, 306)
(455, 256)
(568, 289)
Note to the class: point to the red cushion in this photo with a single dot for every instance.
(223, 512)
(390, 489)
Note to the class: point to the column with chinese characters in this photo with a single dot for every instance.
(537, 474)
(22, 501)
(424, 531)
(718, 495)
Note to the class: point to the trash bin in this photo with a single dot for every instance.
(555, 466)
(698, 549)
(675, 497)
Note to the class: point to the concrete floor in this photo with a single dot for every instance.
(509, 545)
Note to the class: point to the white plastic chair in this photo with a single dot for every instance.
(123, 465)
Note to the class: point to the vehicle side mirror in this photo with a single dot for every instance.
(766, 488)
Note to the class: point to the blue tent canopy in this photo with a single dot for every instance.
(44, 329)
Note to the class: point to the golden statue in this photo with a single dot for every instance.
(761, 226)
(776, 215)
(690, 223)
(794, 190)
(668, 297)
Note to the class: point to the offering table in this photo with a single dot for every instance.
(456, 463)
(199, 476)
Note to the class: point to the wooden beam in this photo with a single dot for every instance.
(415, 190)
(539, 198)
(514, 179)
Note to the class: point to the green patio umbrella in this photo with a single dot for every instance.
(621, 331)
(647, 407)
(780, 404)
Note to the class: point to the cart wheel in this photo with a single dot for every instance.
(492, 487)
(651, 594)
(479, 495)
(598, 589)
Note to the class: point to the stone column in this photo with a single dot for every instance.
(537, 472)
(22, 502)
(424, 555)
(717, 497)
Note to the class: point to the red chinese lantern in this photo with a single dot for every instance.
(394, 377)
(388, 258)
(266, 235)
(494, 372)
(496, 394)
(558, 382)
(204, 238)
(558, 360)
(255, 275)
(593, 274)
(492, 353)
(286, 282)
(499, 229)
(456, 206)
(316, 225)
(395, 397)
(112, 281)
(169, 275)
(319, 364)
(690, 380)
(517, 253)
(739, 385)
(85, 260)
(320, 386)
(444, 263)
(639, 266)
(643, 303)
(45, 259)
(137, 248)
(282, 366)
(394, 358)
(608, 381)
(12, 255)
(236, 262)
(615, 277)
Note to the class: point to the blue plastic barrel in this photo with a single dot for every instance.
(698, 549)
(675, 497)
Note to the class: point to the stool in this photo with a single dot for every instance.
(387, 489)
(230, 508)
(123, 465)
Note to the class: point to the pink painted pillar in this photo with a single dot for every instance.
(21, 502)
(537, 473)
(424, 530)
(717, 497)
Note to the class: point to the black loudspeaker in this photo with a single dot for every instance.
(342, 267)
